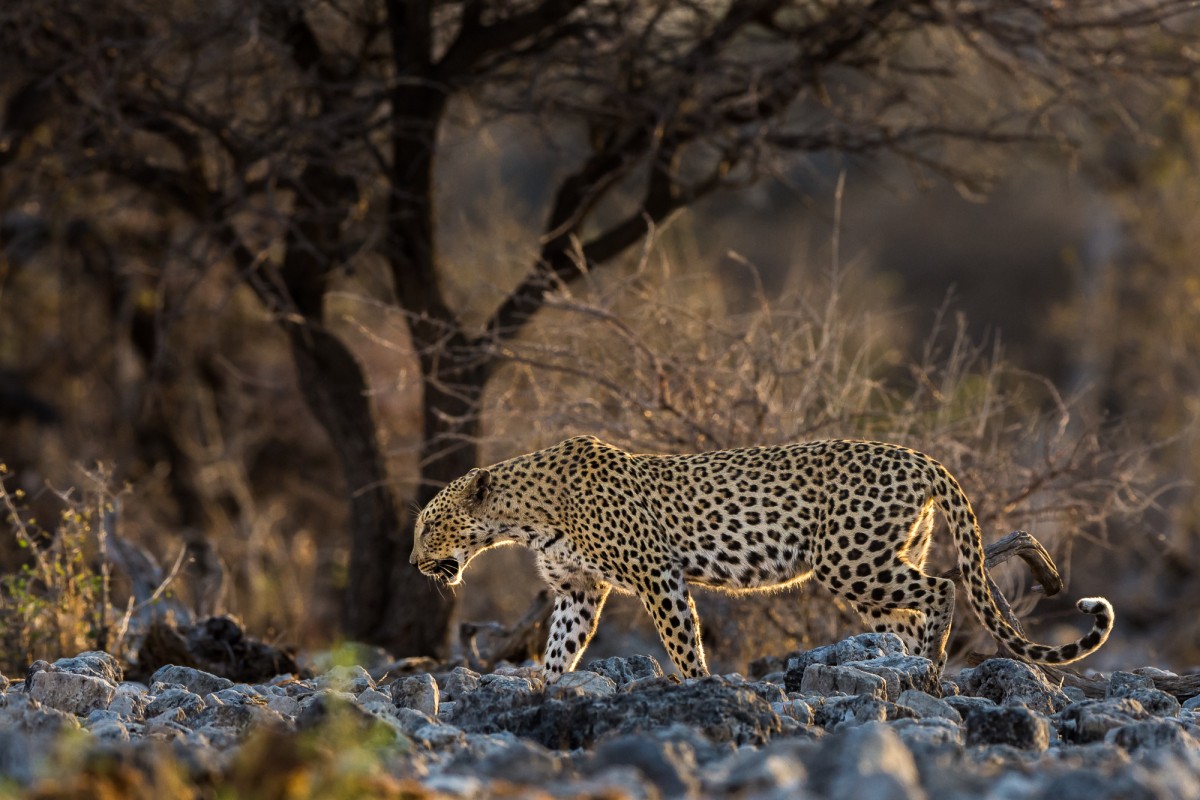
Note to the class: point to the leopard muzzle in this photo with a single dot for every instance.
(445, 570)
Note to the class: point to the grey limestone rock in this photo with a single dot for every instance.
(353, 679)
(131, 701)
(194, 680)
(864, 647)
(74, 693)
(720, 709)
(1120, 684)
(1005, 681)
(853, 710)
(926, 705)
(373, 697)
(1140, 686)
(669, 765)
(1156, 702)
(418, 692)
(902, 673)
(1091, 720)
(1149, 734)
(507, 758)
(963, 703)
(95, 663)
(459, 683)
(425, 729)
(870, 762)
(19, 756)
(776, 770)
(582, 683)
(1013, 725)
(842, 679)
(929, 734)
(113, 731)
(23, 713)
(798, 710)
(176, 698)
(621, 670)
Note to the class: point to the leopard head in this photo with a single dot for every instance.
(451, 530)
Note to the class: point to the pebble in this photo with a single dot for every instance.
(857, 719)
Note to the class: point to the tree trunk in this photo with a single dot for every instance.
(335, 390)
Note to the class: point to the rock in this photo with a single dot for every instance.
(1015, 725)
(418, 692)
(584, 683)
(459, 683)
(507, 758)
(1120, 684)
(864, 647)
(798, 710)
(926, 706)
(902, 673)
(870, 762)
(1093, 785)
(494, 694)
(720, 709)
(1091, 720)
(1156, 702)
(1192, 703)
(176, 698)
(1005, 681)
(284, 705)
(94, 663)
(826, 680)
(4, 684)
(499, 683)
(621, 670)
(192, 679)
(929, 735)
(165, 727)
(1149, 735)
(776, 770)
(852, 710)
(131, 701)
(425, 730)
(352, 679)
(1140, 686)
(112, 731)
(964, 703)
(234, 719)
(20, 758)
(23, 713)
(373, 697)
(324, 706)
(771, 692)
(74, 693)
(670, 766)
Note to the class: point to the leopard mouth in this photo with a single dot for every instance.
(445, 570)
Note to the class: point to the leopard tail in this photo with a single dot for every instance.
(954, 504)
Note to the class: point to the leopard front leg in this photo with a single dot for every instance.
(577, 609)
(666, 597)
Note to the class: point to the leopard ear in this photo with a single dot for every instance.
(477, 487)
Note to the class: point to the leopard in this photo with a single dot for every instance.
(858, 516)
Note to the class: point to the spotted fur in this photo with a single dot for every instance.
(855, 515)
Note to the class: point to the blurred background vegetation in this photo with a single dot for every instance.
(272, 272)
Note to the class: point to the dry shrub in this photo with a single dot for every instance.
(59, 599)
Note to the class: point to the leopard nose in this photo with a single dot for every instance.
(412, 558)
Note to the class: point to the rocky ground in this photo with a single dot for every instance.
(859, 719)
